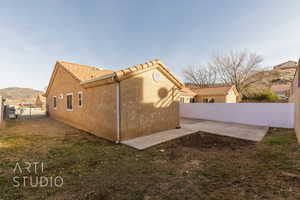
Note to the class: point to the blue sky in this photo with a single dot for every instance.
(117, 34)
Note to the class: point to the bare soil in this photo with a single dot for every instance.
(199, 166)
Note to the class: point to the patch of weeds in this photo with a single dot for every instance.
(279, 140)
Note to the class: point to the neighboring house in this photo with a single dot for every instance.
(116, 105)
(295, 97)
(40, 101)
(282, 90)
(218, 94)
(187, 95)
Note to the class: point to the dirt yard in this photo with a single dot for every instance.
(194, 167)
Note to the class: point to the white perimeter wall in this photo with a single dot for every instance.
(264, 114)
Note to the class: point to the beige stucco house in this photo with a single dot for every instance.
(116, 105)
(187, 95)
(1, 112)
(295, 97)
(40, 101)
(217, 94)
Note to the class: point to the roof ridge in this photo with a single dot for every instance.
(137, 67)
(81, 65)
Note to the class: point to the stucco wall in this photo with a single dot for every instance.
(148, 106)
(186, 99)
(264, 114)
(231, 97)
(98, 113)
(1, 113)
(295, 97)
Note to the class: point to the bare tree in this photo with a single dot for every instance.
(237, 68)
(200, 76)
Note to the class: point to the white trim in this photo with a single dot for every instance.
(55, 102)
(70, 94)
(80, 106)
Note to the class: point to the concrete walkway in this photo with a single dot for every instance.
(241, 131)
(190, 126)
(147, 141)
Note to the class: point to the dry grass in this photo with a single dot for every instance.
(193, 167)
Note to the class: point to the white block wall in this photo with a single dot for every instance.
(263, 114)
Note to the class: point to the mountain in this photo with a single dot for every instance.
(281, 76)
(15, 95)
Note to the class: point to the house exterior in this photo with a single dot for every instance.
(187, 95)
(40, 101)
(295, 97)
(115, 105)
(1, 112)
(217, 94)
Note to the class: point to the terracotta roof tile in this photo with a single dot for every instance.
(212, 90)
(84, 72)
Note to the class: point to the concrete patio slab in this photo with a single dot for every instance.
(144, 142)
(190, 126)
(241, 131)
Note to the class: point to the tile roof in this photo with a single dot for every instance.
(84, 72)
(131, 71)
(122, 74)
(212, 90)
(187, 91)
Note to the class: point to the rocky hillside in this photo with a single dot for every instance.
(16, 95)
(280, 75)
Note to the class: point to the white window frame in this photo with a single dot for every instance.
(80, 106)
(54, 107)
(70, 94)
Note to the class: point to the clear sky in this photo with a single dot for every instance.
(117, 34)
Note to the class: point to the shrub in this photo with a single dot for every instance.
(264, 95)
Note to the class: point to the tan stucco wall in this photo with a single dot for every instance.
(148, 106)
(218, 99)
(231, 97)
(1, 113)
(295, 97)
(98, 113)
(186, 99)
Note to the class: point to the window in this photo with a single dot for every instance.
(70, 102)
(55, 102)
(181, 99)
(212, 100)
(208, 100)
(80, 99)
(192, 100)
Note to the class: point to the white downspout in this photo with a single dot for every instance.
(118, 111)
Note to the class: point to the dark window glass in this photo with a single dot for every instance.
(54, 102)
(69, 102)
(80, 99)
